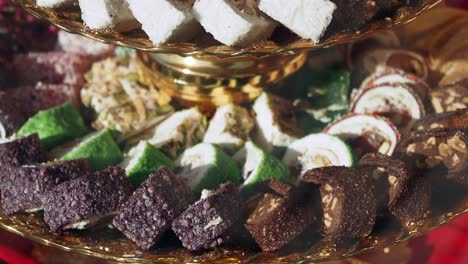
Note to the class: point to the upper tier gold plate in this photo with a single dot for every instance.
(281, 42)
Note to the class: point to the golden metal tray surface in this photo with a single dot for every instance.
(282, 42)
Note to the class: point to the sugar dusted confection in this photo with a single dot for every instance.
(102, 14)
(307, 18)
(23, 187)
(51, 67)
(92, 49)
(54, 3)
(174, 22)
(234, 22)
(150, 211)
(84, 201)
(205, 224)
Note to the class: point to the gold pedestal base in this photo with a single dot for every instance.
(208, 82)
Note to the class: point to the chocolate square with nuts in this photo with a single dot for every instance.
(280, 217)
(454, 120)
(152, 207)
(348, 201)
(389, 176)
(439, 152)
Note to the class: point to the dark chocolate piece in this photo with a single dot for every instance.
(87, 198)
(414, 200)
(455, 120)
(22, 151)
(439, 152)
(280, 217)
(450, 97)
(349, 204)
(12, 116)
(205, 224)
(23, 187)
(152, 208)
(354, 13)
(389, 176)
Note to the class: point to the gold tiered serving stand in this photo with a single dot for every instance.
(207, 74)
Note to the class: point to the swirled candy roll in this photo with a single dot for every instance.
(142, 160)
(276, 125)
(205, 224)
(23, 188)
(307, 18)
(388, 75)
(259, 167)
(456, 120)
(450, 97)
(441, 152)
(229, 128)
(234, 22)
(317, 150)
(206, 166)
(279, 217)
(102, 14)
(390, 178)
(174, 22)
(348, 201)
(149, 212)
(408, 61)
(87, 200)
(366, 133)
(181, 130)
(55, 125)
(396, 101)
(99, 147)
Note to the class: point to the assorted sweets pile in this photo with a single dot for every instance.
(246, 173)
(314, 160)
(231, 22)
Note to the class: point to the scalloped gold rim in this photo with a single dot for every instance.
(187, 49)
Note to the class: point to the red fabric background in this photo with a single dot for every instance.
(447, 244)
